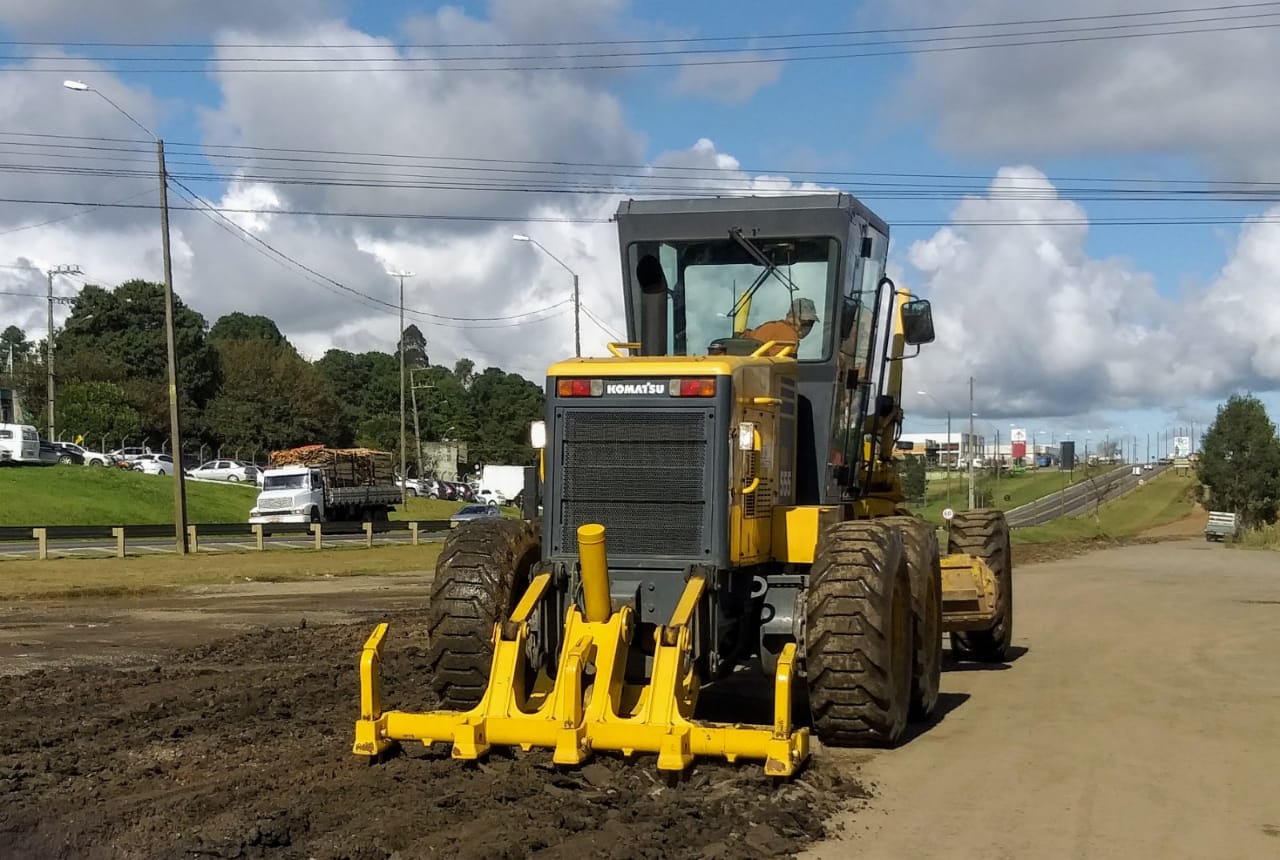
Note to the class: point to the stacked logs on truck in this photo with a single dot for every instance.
(352, 466)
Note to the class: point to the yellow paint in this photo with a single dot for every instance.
(968, 593)
(656, 717)
(595, 572)
(795, 531)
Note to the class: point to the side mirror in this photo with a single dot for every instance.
(917, 322)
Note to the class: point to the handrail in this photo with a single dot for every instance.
(616, 345)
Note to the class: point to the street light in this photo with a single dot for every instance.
(577, 304)
(175, 424)
(948, 467)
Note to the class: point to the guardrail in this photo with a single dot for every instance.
(121, 535)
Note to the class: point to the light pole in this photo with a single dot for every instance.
(972, 415)
(48, 346)
(404, 479)
(948, 467)
(175, 424)
(577, 303)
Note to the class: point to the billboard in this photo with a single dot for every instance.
(1068, 456)
(1018, 436)
(1181, 447)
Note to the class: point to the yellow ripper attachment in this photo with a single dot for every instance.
(609, 715)
(968, 593)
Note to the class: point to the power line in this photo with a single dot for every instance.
(403, 63)
(426, 316)
(753, 37)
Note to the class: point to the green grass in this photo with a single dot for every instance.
(1165, 499)
(89, 496)
(1012, 490)
(119, 577)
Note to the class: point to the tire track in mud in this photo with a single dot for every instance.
(241, 748)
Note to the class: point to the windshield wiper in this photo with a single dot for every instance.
(770, 268)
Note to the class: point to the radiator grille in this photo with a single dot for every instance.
(639, 474)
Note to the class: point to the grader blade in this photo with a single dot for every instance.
(656, 717)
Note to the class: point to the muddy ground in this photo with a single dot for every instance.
(241, 748)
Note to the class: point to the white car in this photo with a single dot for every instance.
(492, 498)
(225, 470)
(154, 464)
(91, 458)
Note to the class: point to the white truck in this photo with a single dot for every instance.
(317, 485)
(499, 485)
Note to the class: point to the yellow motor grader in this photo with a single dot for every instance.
(714, 505)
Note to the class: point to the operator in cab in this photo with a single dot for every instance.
(791, 329)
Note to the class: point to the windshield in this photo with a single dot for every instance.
(719, 289)
(285, 482)
(474, 509)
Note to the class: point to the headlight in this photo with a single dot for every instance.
(299, 510)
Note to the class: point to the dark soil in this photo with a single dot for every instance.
(242, 748)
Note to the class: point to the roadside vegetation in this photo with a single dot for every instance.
(1239, 468)
(1010, 490)
(88, 496)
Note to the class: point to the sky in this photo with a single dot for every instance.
(1088, 195)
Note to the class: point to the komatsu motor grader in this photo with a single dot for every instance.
(717, 508)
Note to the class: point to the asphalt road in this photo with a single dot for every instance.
(107, 547)
(1079, 498)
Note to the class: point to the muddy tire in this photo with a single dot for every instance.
(483, 570)
(858, 652)
(985, 534)
(924, 567)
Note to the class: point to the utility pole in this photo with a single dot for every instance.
(175, 425)
(972, 503)
(48, 346)
(402, 275)
(948, 458)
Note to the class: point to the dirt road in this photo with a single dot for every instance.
(1141, 718)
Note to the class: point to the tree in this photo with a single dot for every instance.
(415, 347)
(119, 336)
(464, 371)
(238, 326)
(97, 410)
(1240, 461)
(504, 405)
(914, 478)
(13, 343)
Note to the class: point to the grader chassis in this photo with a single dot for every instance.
(714, 503)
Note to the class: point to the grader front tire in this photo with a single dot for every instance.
(924, 566)
(483, 570)
(985, 535)
(858, 653)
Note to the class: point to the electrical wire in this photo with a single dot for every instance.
(746, 56)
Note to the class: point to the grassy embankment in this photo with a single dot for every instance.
(1162, 500)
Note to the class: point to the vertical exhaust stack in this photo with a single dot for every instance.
(653, 306)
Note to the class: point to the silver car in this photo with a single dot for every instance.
(472, 513)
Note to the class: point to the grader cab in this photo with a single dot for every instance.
(715, 504)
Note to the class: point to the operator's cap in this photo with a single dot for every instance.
(804, 310)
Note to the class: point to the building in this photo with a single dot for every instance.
(934, 448)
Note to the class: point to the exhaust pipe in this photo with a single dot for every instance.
(653, 306)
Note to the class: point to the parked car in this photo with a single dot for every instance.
(126, 455)
(70, 455)
(155, 464)
(86, 457)
(225, 470)
(471, 513)
(21, 442)
(492, 498)
(48, 453)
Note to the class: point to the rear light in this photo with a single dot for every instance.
(693, 387)
(580, 387)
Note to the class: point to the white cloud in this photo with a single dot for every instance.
(1047, 330)
(1197, 95)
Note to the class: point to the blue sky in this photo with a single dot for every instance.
(1168, 341)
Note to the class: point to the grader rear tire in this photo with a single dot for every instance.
(985, 534)
(924, 566)
(482, 572)
(858, 651)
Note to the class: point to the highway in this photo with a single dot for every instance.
(1080, 497)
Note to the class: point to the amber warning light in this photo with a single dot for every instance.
(678, 387)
